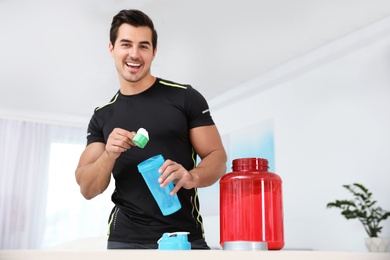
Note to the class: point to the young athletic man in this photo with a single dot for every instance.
(180, 128)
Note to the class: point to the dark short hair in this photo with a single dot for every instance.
(135, 18)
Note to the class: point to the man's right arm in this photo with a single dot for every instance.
(93, 173)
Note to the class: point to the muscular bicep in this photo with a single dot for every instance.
(91, 153)
(208, 145)
(205, 140)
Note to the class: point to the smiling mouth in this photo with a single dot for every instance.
(132, 65)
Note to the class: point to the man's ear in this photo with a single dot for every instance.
(111, 48)
(154, 52)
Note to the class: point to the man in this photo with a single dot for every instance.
(180, 128)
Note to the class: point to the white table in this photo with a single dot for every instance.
(187, 255)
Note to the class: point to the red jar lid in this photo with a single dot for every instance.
(242, 164)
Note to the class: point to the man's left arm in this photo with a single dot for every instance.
(207, 143)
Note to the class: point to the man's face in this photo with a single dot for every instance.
(133, 53)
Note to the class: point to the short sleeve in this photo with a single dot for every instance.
(197, 109)
(95, 132)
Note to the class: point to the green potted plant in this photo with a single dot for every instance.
(364, 208)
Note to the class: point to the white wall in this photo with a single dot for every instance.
(331, 112)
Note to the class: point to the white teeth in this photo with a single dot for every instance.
(132, 64)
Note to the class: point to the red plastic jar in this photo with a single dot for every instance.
(251, 207)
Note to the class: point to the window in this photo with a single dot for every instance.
(68, 215)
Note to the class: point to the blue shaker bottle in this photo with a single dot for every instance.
(174, 241)
(149, 170)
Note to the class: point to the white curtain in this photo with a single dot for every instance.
(24, 179)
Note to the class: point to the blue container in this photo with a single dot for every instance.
(174, 241)
(149, 170)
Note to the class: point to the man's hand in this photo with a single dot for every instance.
(173, 172)
(119, 141)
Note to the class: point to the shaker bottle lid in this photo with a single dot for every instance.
(141, 138)
(173, 234)
(174, 241)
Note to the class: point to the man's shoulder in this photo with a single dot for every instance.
(173, 84)
(106, 105)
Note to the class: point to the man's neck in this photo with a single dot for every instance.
(133, 88)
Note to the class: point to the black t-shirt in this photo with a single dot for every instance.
(168, 111)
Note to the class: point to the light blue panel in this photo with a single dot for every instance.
(256, 141)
